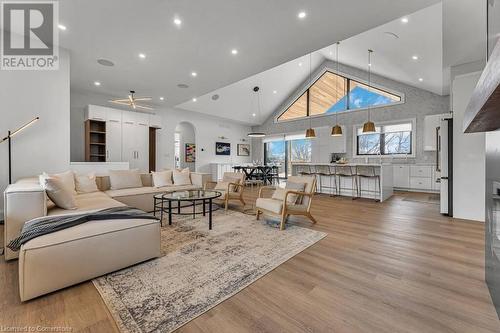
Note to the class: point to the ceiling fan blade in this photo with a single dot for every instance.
(143, 99)
(121, 102)
(146, 107)
(131, 99)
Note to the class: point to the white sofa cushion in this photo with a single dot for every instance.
(181, 177)
(66, 178)
(87, 202)
(162, 178)
(58, 193)
(86, 183)
(120, 179)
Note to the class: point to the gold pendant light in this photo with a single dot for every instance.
(310, 133)
(337, 130)
(369, 126)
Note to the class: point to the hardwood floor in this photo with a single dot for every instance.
(397, 266)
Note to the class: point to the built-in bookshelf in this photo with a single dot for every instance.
(95, 141)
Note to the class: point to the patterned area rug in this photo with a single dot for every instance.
(199, 269)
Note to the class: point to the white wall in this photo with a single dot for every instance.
(207, 129)
(45, 145)
(468, 155)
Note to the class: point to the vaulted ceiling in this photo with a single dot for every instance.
(265, 33)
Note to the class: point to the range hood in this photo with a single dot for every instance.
(483, 112)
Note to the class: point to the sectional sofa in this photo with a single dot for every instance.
(66, 257)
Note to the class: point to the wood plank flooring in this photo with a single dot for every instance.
(397, 266)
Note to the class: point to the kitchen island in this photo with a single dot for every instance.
(368, 185)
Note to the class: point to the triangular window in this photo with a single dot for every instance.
(334, 93)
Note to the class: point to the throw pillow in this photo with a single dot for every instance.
(66, 178)
(57, 192)
(162, 178)
(181, 177)
(86, 183)
(124, 179)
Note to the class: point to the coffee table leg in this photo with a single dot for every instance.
(178, 207)
(210, 215)
(169, 212)
(161, 213)
(194, 209)
(204, 207)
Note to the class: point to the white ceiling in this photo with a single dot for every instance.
(266, 34)
(392, 58)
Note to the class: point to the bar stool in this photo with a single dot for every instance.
(303, 170)
(346, 171)
(368, 172)
(326, 171)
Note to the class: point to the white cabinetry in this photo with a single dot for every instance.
(415, 177)
(95, 112)
(431, 123)
(401, 176)
(127, 134)
(113, 135)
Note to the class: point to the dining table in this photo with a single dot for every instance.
(261, 172)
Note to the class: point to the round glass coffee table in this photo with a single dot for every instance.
(163, 203)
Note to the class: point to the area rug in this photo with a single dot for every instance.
(199, 269)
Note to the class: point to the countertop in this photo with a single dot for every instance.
(343, 164)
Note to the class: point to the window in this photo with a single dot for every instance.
(282, 152)
(334, 93)
(391, 139)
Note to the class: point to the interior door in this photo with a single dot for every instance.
(142, 147)
(442, 148)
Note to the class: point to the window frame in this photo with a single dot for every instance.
(349, 78)
(413, 139)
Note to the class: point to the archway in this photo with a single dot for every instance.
(185, 146)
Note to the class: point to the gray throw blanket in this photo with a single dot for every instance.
(49, 224)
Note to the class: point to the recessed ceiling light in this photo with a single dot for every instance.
(142, 56)
(415, 57)
(61, 27)
(300, 64)
(234, 51)
(215, 97)
(177, 21)
(194, 99)
(97, 83)
(253, 114)
(194, 74)
(105, 62)
(162, 98)
(275, 92)
(420, 79)
(404, 20)
(301, 15)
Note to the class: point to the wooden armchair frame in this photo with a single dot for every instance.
(288, 209)
(226, 196)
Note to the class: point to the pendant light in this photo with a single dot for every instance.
(369, 126)
(310, 133)
(257, 134)
(337, 130)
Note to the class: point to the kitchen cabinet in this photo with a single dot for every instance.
(135, 140)
(401, 176)
(415, 177)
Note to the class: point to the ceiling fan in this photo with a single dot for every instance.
(132, 101)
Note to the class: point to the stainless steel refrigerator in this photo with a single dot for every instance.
(444, 167)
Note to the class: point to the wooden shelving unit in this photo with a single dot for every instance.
(95, 141)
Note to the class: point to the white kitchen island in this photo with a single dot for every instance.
(368, 185)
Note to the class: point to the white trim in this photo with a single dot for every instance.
(381, 123)
(293, 98)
